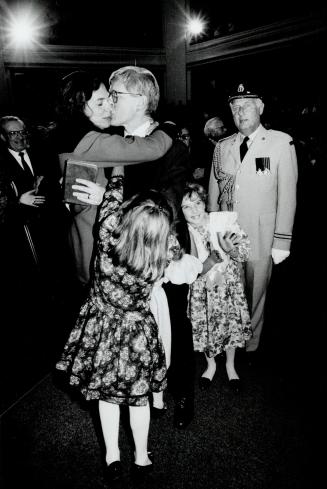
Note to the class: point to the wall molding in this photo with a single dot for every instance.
(272, 36)
(268, 37)
(61, 56)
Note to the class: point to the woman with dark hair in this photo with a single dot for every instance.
(83, 122)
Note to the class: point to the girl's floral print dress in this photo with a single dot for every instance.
(114, 352)
(218, 308)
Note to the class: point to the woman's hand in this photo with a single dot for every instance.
(89, 192)
(228, 241)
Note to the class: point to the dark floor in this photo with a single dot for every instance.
(265, 438)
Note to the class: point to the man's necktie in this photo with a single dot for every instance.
(25, 165)
(243, 147)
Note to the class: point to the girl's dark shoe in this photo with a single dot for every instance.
(114, 471)
(204, 383)
(235, 385)
(140, 472)
(158, 412)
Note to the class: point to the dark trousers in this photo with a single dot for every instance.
(182, 367)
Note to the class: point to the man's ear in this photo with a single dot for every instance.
(2, 137)
(142, 103)
(261, 106)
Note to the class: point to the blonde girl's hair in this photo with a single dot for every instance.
(142, 235)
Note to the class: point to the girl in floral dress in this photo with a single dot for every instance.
(114, 353)
(218, 308)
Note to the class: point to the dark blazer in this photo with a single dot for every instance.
(29, 231)
(20, 182)
(169, 175)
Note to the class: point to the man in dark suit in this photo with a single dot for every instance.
(23, 212)
(32, 214)
(134, 93)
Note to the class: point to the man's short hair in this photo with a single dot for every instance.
(212, 128)
(139, 80)
(8, 118)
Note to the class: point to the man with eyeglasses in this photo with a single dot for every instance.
(14, 135)
(254, 172)
(134, 93)
(31, 200)
(185, 136)
(24, 178)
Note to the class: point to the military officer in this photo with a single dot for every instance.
(254, 172)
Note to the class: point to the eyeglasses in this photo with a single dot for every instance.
(13, 134)
(185, 136)
(114, 95)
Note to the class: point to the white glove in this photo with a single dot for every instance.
(279, 255)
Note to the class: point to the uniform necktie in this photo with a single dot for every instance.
(243, 147)
(25, 165)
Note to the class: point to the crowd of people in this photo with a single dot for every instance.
(169, 255)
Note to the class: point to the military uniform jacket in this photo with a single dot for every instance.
(261, 188)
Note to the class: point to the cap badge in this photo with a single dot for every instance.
(240, 88)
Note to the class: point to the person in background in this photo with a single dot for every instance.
(215, 129)
(254, 172)
(185, 136)
(83, 132)
(217, 308)
(33, 213)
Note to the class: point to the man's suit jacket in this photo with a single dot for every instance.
(21, 182)
(168, 175)
(30, 230)
(43, 164)
(19, 222)
(261, 188)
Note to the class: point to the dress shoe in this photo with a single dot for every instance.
(114, 471)
(235, 385)
(204, 383)
(184, 411)
(157, 413)
(140, 472)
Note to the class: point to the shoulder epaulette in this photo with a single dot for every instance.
(228, 137)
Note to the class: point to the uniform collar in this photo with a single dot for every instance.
(252, 135)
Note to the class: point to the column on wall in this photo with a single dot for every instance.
(174, 44)
(5, 96)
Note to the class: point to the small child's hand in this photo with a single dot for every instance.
(228, 241)
(215, 257)
(212, 259)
